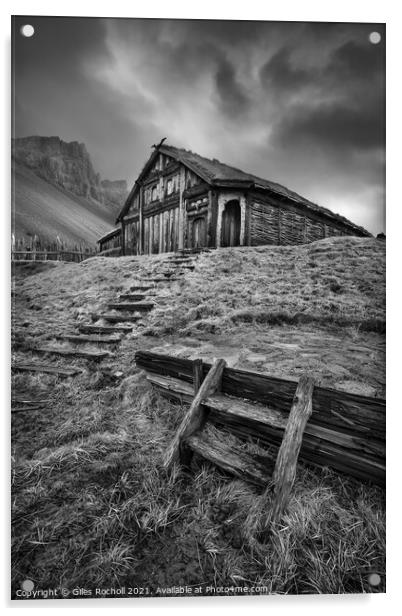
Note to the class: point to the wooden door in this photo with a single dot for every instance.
(199, 234)
(230, 235)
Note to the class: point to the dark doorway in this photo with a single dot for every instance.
(230, 235)
(199, 234)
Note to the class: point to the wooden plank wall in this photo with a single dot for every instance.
(110, 243)
(131, 237)
(161, 232)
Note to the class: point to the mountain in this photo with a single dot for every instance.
(115, 192)
(56, 192)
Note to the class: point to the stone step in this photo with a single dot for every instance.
(132, 306)
(132, 297)
(179, 261)
(157, 279)
(46, 368)
(141, 289)
(91, 338)
(116, 318)
(94, 355)
(105, 329)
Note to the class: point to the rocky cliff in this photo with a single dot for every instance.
(114, 192)
(69, 166)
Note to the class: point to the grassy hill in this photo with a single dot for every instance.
(41, 208)
(92, 505)
(335, 281)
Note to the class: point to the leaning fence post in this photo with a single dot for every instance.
(286, 461)
(195, 417)
(186, 454)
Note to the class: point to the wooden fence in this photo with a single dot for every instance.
(51, 255)
(345, 431)
(35, 248)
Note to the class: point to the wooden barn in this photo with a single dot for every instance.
(182, 200)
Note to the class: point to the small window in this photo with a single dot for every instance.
(170, 187)
(154, 193)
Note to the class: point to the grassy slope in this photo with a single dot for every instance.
(92, 505)
(338, 281)
(43, 209)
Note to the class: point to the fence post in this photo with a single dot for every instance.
(186, 454)
(197, 374)
(286, 461)
(195, 417)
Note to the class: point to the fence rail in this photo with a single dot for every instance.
(345, 431)
(51, 255)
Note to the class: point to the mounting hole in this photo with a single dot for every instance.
(28, 585)
(374, 579)
(27, 30)
(375, 38)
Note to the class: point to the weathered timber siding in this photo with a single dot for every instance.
(191, 179)
(214, 217)
(131, 231)
(196, 211)
(161, 232)
(113, 240)
(134, 206)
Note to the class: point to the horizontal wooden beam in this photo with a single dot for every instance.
(345, 412)
(252, 469)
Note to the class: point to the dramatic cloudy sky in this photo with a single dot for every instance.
(301, 104)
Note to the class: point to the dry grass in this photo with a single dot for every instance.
(94, 508)
(92, 505)
(336, 281)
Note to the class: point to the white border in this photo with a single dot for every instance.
(286, 10)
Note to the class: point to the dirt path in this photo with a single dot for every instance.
(346, 360)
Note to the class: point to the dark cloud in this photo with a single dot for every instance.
(357, 61)
(349, 65)
(281, 75)
(231, 93)
(343, 99)
(333, 126)
(58, 45)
